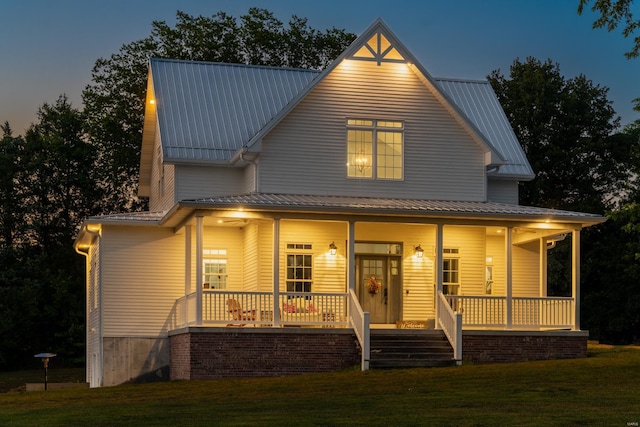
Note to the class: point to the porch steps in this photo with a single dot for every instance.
(398, 348)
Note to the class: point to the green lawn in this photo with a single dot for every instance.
(603, 389)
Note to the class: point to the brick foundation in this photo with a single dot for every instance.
(208, 353)
(514, 346)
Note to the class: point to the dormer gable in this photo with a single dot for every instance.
(378, 44)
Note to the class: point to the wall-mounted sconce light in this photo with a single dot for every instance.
(419, 251)
(333, 249)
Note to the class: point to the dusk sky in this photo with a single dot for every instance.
(48, 48)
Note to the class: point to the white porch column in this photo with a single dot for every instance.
(187, 259)
(575, 277)
(508, 248)
(543, 267)
(438, 260)
(187, 271)
(351, 253)
(276, 272)
(199, 278)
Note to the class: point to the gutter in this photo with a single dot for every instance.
(77, 244)
(255, 168)
(97, 330)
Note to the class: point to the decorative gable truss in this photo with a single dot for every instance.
(378, 49)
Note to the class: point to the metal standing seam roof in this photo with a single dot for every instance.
(345, 204)
(390, 206)
(479, 103)
(208, 111)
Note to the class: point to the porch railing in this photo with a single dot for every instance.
(526, 312)
(313, 309)
(239, 308)
(359, 321)
(554, 312)
(185, 311)
(451, 324)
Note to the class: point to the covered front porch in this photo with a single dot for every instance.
(483, 268)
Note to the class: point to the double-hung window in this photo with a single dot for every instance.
(215, 268)
(375, 149)
(451, 271)
(299, 267)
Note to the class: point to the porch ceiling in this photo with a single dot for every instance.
(247, 205)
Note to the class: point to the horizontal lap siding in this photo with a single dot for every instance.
(193, 182)
(265, 242)
(472, 243)
(142, 276)
(230, 239)
(162, 195)
(502, 191)
(526, 269)
(249, 179)
(496, 250)
(329, 272)
(306, 152)
(251, 274)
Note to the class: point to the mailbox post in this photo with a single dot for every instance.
(45, 361)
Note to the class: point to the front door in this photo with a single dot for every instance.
(378, 287)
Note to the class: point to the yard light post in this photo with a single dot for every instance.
(45, 361)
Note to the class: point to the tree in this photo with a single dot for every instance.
(41, 279)
(570, 134)
(10, 158)
(114, 101)
(611, 302)
(612, 14)
(564, 126)
(58, 179)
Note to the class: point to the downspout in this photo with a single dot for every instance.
(99, 330)
(255, 169)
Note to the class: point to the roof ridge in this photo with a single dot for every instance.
(461, 80)
(233, 64)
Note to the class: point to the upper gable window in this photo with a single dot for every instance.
(378, 48)
(375, 149)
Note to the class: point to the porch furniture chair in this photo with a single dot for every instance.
(235, 308)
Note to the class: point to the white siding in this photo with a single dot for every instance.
(249, 185)
(142, 276)
(265, 256)
(162, 193)
(496, 250)
(194, 182)
(306, 152)
(526, 270)
(230, 239)
(502, 191)
(472, 244)
(251, 257)
(329, 272)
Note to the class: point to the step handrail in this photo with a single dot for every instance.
(359, 321)
(451, 324)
